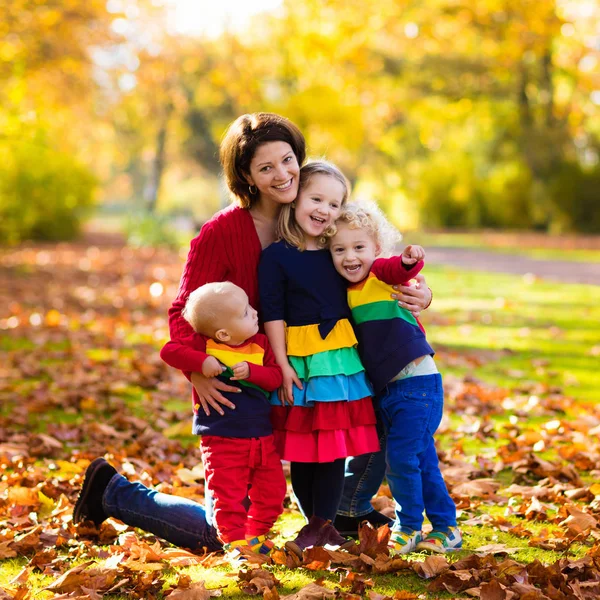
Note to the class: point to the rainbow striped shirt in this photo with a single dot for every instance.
(389, 336)
(251, 417)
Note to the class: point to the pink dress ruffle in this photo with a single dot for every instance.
(325, 432)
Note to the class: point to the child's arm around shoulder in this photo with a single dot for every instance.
(189, 354)
(268, 376)
(400, 269)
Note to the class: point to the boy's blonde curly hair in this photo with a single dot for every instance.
(365, 214)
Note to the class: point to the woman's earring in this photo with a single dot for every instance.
(293, 204)
(253, 190)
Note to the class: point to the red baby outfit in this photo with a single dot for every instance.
(238, 448)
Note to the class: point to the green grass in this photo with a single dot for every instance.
(521, 330)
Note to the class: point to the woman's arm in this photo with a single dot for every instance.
(414, 298)
(206, 262)
(275, 331)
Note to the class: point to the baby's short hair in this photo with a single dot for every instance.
(365, 214)
(205, 306)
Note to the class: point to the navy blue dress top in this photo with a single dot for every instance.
(301, 287)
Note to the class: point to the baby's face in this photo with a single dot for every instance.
(353, 252)
(241, 322)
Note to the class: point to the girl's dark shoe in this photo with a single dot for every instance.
(349, 525)
(307, 536)
(330, 536)
(89, 502)
(317, 532)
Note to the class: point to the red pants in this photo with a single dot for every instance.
(230, 466)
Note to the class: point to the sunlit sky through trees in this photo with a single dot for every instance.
(210, 17)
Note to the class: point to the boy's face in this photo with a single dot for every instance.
(353, 252)
(241, 320)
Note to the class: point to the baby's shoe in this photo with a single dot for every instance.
(261, 544)
(402, 542)
(235, 550)
(441, 542)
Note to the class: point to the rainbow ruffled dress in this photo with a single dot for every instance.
(332, 416)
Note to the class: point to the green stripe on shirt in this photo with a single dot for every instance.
(381, 311)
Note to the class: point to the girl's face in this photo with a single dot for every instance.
(318, 206)
(353, 252)
(274, 170)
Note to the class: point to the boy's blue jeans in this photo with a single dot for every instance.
(411, 410)
(177, 520)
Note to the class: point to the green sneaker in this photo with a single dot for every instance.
(441, 542)
(402, 542)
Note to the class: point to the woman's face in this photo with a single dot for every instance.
(274, 170)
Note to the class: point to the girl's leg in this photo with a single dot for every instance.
(328, 485)
(303, 477)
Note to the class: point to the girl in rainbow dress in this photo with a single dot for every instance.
(323, 412)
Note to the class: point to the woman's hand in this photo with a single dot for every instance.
(209, 393)
(414, 298)
(286, 391)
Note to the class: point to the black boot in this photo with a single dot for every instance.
(89, 502)
(348, 526)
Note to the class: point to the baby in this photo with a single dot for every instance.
(237, 447)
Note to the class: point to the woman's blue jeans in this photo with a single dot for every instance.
(411, 411)
(363, 477)
(177, 520)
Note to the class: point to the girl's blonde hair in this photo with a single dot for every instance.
(368, 216)
(287, 226)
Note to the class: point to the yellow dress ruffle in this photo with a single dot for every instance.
(305, 340)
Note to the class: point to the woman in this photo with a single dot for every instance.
(261, 155)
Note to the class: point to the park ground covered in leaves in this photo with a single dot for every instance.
(80, 377)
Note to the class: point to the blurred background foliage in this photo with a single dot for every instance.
(450, 113)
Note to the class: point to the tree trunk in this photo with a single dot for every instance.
(158, 164)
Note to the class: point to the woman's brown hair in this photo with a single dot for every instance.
(240, 142)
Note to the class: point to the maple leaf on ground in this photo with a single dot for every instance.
(579, 523)
(6, 550)
(431, 566)
(316, 559)
(495, 549)
(313, 591)
(494, 590)
(192, 591)
(479, 488)
(71, 580)
(453, 581)
(21, 593)
(373, 541)
(271, 594)
(358, 583)
(254, 582)
(287, 559)
(342, 557)
(390, 564)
